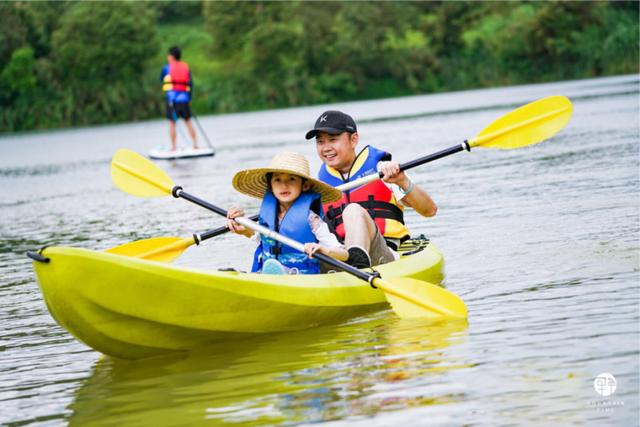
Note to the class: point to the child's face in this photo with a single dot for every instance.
(286, 187)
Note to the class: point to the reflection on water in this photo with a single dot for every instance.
(358, 369)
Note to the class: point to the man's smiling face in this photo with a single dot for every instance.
(337, 151)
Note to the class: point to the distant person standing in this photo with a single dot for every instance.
(177, 84)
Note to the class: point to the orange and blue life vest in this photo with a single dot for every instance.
(375, 197)
(176, 82)
(294, 225)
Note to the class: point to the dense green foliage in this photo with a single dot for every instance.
(76, 63)
(80, 63)
(280, 54)
(101, 71)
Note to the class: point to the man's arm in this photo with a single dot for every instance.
(413, 196)
(419, 200)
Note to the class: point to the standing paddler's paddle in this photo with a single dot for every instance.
(527, 125)
(206, 138)
(136, 175)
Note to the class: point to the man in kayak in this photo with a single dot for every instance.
(292, 206)
(369, 218)
(177, 84)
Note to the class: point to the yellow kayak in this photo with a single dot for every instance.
(132, 308)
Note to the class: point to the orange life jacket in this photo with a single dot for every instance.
(375, 197)
(178, 79)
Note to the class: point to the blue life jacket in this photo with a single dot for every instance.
(294, 225)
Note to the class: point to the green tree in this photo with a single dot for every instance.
(289, 53)
(380, 42)
(17, 93)
(41, 18)
(260, 44)
(19, 75)
(101, 53)
(176, 10)
(78, 63)
(520, 42)
(13, 31)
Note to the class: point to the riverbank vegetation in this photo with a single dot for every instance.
(82, 63)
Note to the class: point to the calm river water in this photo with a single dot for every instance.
(541, 242)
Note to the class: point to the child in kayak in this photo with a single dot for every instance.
(292, 206)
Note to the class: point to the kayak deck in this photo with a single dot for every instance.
(132, 308)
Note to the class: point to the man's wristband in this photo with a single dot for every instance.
(408, 190)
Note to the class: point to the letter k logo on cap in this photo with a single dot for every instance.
(323, 118)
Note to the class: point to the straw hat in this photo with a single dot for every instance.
(253, 182)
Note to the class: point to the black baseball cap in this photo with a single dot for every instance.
(334, 123)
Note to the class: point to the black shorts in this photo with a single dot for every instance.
(182, 110)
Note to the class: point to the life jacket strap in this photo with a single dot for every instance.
(177, 82)
(329, 218)
(375, 208)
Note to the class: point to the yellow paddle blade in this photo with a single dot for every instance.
(411, 298)
(160, 249)
(136, 175)
(527, 125)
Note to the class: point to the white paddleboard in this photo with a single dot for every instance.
(180, 153)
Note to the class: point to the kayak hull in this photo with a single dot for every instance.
(186, 153)
(131, 308)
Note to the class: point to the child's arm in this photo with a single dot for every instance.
(233, 226)
(337, 252)
(328, 243)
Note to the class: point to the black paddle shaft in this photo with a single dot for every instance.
(348, 268)
(218, 231)
(432, 157)
(178, 192)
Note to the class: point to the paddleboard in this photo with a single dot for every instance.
(180, 153)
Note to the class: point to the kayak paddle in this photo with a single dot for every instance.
(165, 249)
(160, 249)
(527, 125)
(408, 297)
